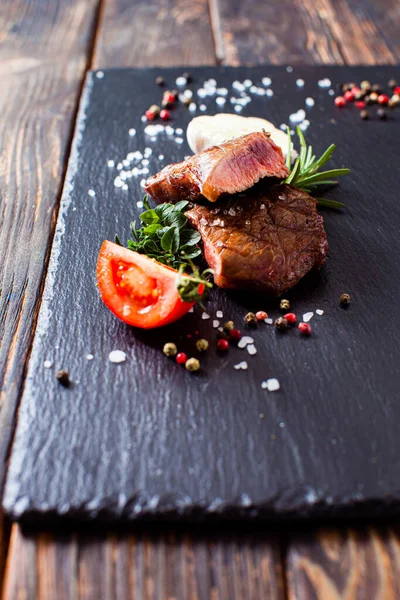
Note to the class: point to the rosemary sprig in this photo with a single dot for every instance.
(165, 237)
(306, 174)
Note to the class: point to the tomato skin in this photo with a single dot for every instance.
(148, 298)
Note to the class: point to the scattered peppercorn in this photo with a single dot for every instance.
(229, 325)
(345, 299)
(160, 81)
(383, 99)
(192, 365)
(281, 324)
(364, 114)
(382, 114)
(360, 104)
(340, 101)
(235, 334)
(261, 315)
(305, 328)
(392, 83)
(187, 101)
(285, 304)
(222, 345)
(349, 96)
(221, 335)
(63, 378)
(394, 101)
(376, 88)
(396, 89)
(365, 85)
(170, 349)
(188, 77)
(168, 99)
(360, 95)
(373, 97)
(290, 318)
(164, 115)
(250, 319)
(181, 358)
(202, 345)
(153, 112)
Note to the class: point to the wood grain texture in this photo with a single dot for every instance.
(162, 566)
(43, 55)
(353, 564)
(148, 33)
(316, 31)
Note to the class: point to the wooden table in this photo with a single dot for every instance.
(46, 47)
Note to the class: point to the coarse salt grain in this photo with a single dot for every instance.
(179, 140)
(132, 132)
(110, 163)
(178, 131)
(147, 152)
(181, 81)
(251, 349)
(266, 81)
(125, 187)
(241, 366)
(205, 316)
(192, 106)
(139, 204)
(283, 126)
(289, 69)
(161, 157)
(220, 101)
(244, 341)
(319, 311)
(269, 321)
(118, 182)
(222, 91)
(272, 385)
(187, 94)
(143, 118)
(47, 364)
(219, 314)
(269, 93)
(99, 74)
(331, 92)
(154, 129)
(89, 356)
(298, 116)
(307, 316)
(300, 82)
(201, 92)
(238, 108)
(324, 83)
(91, 193)
(310, 101)
(215, 323)
(145, 162)
(117, 356)
(169, 130)
(191, 309)
(203, 107)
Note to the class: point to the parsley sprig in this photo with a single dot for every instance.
(306, 174)
(164, 236)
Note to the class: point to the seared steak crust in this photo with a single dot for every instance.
(232, 167)
(265, 241)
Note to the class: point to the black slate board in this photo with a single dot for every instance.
(146, 438)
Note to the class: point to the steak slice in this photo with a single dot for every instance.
(266, 241)
(232, 167)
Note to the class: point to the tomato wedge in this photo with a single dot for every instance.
(138, 290)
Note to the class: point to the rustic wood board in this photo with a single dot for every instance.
(147, 439)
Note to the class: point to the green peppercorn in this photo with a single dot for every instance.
(229, 325)
(284, 305)
(160, 81)
(170, 349)
(281, 324)
(345, 299)
(250, 319)
(202, 345)
(192, 365)
(382, 114)
(392, 83)
(63, 378)
(364, 114)
(365, 85)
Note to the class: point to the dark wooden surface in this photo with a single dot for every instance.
(45, 50)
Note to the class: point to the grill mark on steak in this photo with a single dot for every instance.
(268, 249)
(230, 168)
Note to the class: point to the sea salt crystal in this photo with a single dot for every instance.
(89, 357)
(178, 131)
(215, 323)
(99, 74)
(154, 129)
(266, 81)
(262, 206)
(212, 82)
(125, 187)
(310, 101)
(300, 82)
(247, 83)
(283, 126)
(187, 94)
(192, 106)
(191, 309)
(147, 152)
(222, 91)
(179, 140)
(145, 162)
(269, 93)
(139, 204)
(220, 101)
(319, 311)
(251, 349)
(169, 130)
(91, 193)
(203, 107)
(298, 116)
(331, 92)
(118, 182)
(269, 321)
(244, 341)
(111, 163)
(205, 316)
(238, 108)
(272, 385)
(181, 81)
(143, 118)
(47, 364)
(117, 356)
(132, 132)
(161, 157)
(142, 183)
(324, 83)
(242, 366)
(236, 85)
(304, 124)
(219, 314)
(307, 316)
(201, 92)
(289, 69)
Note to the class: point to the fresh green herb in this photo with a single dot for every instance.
(306, 174)
(164, 235)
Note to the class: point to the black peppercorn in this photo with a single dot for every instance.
(63, 378)
(345, 299)
(360, 95)
(160, 81)
(250, 319)
(221, 335)
(175, 93)
(188, 77)
(364, 114)
(376, 88)
(281, 324)
(392, 83)
(382, 114)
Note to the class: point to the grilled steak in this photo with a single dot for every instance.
(229, 168)
(265, 241)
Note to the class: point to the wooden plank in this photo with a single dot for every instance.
(143, 567)
(43, 56)
(351, 564)
(154, 33)
(312, 31)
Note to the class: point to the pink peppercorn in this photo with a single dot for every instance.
(222, 345)
(181, 358)
(235, 334)
(290, 318)
(305, 328)
(261, 315)
(340, 101)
